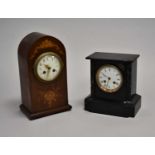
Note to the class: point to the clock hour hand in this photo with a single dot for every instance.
(48, 67)
(105, 75)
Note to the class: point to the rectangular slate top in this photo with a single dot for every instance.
(113, 56)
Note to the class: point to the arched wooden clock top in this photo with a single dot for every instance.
(37, 41)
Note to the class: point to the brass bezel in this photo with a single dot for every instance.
(39, 58)
(106, 89)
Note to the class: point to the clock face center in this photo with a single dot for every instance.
(48, 66)
(109, 78)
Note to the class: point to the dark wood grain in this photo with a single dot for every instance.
(39, 98)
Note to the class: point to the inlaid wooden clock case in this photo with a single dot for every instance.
(40, 98)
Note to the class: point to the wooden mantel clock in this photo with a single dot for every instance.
(113, 84)
(43, 77)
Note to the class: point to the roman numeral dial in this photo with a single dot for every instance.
(109, 78)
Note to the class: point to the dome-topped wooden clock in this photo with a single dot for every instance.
(113, 84)
(42, 66)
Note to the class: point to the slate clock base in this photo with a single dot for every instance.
(33, 116)
(128, 109)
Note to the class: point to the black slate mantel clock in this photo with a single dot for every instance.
(113, 84)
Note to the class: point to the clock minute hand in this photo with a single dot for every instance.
(109, 78)
(48, 70)
(107, 83)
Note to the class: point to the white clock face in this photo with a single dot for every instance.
(48, 66)
(109, 78)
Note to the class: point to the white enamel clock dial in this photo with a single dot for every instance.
(48, 66)
(109, 78)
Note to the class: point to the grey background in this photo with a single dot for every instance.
(81, 37)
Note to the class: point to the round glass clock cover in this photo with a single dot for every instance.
(109, 78)
(48, 66)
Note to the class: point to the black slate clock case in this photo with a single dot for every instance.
(124, 102)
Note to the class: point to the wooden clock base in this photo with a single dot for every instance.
(33, 116)
(128, 109)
